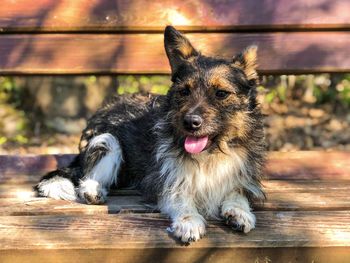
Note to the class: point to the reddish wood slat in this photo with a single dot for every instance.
(18, 169)
(280, 165)
(87, 15)
(309, 165)
(140, 53)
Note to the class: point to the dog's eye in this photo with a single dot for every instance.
(222, 94)
(185, 91)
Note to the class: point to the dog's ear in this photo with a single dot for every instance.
(178, 48)
(247, 61)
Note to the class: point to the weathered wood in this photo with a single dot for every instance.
(180, 255)
(309, 165)
(305, 186)
(119, 15)
(140, 53)
(274, 229)
(25, 191)
(19, 191)
(280, 165)
(282, 195)
(47, 206)
(20, 168)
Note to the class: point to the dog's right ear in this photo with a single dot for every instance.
(178, 48)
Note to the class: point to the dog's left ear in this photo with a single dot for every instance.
(178, 48)
(247, 61)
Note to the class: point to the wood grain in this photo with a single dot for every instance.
(21, 168)
(309, 165)
(180, 254)
(280, 165)
(282, 195)
(274, 229)
(46, 206)
(119, 15)
(144, 54)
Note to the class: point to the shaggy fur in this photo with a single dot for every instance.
(139, 140)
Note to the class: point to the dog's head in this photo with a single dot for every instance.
(211, 99)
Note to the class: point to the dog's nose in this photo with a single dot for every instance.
(192, 122)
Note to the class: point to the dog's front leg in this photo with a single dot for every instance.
(187, 224)
(102, 161)
(237, 213)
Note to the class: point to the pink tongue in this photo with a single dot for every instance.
(195, 144)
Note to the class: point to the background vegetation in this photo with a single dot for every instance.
(46, 114)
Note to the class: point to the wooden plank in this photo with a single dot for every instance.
(119, 15)
(25, 191)
(140, 53)
(47, 206)
(20, 169)
(298, 195)
(281, 165)
(274, 229)
(19, 191)
(313, 201)
(180, 254)
(305, 186)
(309, 165)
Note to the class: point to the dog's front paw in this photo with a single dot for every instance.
(92, 192)
(239, 219)
(189, 228)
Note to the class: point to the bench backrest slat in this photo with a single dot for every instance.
(138, 15)
(107, 37)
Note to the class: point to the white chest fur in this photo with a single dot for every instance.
(204, 180)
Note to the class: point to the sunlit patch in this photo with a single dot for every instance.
(339, 236)
(24, 195)
(176, 18)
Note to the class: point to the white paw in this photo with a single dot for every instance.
(57, 188)
(239, 219)
(92, 192)
(188, 228)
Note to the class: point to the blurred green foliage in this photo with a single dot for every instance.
(343, 90)
(316, 89)
(13, 120)
(151, 84)
(9, 91)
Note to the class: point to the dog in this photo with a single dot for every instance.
(197, 152)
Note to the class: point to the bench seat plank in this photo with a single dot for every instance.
(131, 234)
(21, 190)
(144, 54)
(307, 229)
(180, 254)
(46, 206)
(119, 15)
(288, 195)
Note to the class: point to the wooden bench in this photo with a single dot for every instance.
(307, 215)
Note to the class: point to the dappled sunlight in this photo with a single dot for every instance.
(23, 195)
(338, 236)
(67, 9)
(176, 18)
(61, 59)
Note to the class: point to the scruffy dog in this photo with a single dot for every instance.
(197, 152)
